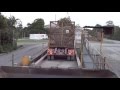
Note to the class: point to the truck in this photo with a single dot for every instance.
(61, 40)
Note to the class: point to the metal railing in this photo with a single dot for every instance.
(99, 60)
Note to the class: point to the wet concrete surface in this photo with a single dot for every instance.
(29, 50)
(87, 60)
(110, 50)
(58, 63)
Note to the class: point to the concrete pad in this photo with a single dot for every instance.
(58, 64)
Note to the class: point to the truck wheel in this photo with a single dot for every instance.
(72, 58)
(68, 57)
(48, 57)
(52, 57)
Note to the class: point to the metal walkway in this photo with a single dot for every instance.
(87, 60)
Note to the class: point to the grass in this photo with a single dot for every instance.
(28, 41)
(20, 43)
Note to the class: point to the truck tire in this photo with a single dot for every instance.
(48, 57)
(52, 57)
(72, 58)
(68, 57)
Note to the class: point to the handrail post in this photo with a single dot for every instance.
(104, 62)
(12, 60)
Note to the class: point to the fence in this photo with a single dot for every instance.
(99, 60)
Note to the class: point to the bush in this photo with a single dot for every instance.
(9, 47)
(14, 46)
(1, 49)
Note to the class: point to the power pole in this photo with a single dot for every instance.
(101, 42)
(67, 14)
(12, 60)
(24, 34)
(81, 53)
(55, 17)
(0, 36)
(13, 37)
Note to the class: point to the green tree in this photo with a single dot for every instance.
(8, 33)
(110, 23)
(94, 31)
(3, 22)
(12, 21)
(36, 27)
(64, 21)
(116, 34)
(19, 30)
(116, 30)
(3, 26)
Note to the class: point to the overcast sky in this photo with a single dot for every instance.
(81, 18)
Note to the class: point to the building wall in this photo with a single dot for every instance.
(78, 35)
(38, 36)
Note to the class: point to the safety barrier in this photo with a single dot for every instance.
(98, 59)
